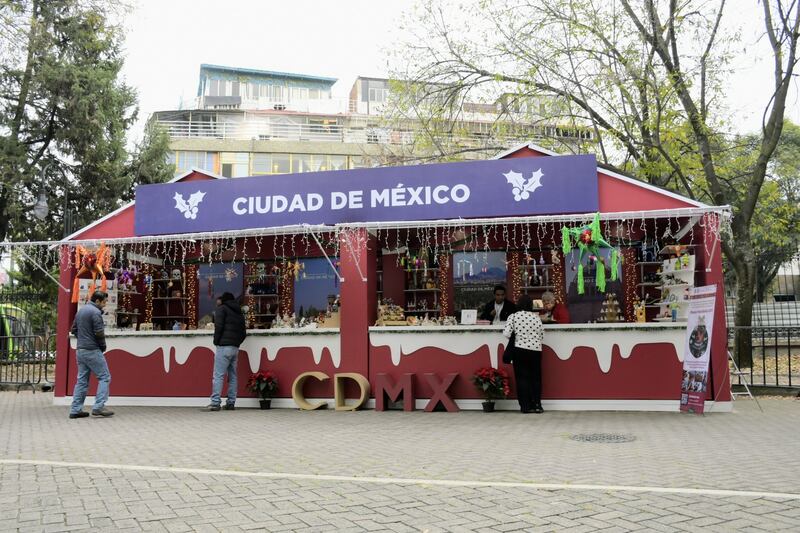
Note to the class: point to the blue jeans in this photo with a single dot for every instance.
(224, 362)
(91, 361)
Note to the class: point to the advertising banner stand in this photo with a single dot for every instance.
(697, 350)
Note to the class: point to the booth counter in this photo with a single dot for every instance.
(585, 366)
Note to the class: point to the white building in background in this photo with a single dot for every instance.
(250, 122)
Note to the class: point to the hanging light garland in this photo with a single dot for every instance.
(191, 293)
(629, 276)
(516, 275)
(444, 285)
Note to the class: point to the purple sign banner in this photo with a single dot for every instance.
(493, 188)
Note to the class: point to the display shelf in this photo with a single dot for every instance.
(129, 293)
(672, 285)
(649, 284)
(127, 313)
(646, 263)
(537, 265)
(169, 316)
(263, 314)
(271, 295)
(537, 287)
(256, 276)
(670, 249)
(422, 290)
(157, 280)
(170, 298)
(415, 311)
(430, 269)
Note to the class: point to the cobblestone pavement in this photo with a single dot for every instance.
(179, 469)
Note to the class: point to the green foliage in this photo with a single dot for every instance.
(64, 114)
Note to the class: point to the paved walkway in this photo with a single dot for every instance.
(178, 469)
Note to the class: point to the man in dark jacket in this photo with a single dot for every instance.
(229, 333)
(499, 309)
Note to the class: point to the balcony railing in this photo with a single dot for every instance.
(264, 131)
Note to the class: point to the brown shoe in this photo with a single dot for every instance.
(102, 412)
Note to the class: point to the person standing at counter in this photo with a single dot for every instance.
(527, 358)
(89, 331)
(555, 312)
(229, 333)
(499, 309)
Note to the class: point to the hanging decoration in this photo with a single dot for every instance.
(516, 275)
(94, 262)
(444, 285)
(559, 289)
(589, 239)
(192, 273)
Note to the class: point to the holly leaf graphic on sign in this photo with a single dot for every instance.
(198, 196)
(515, 179)
(534, 182)
(180, 203)
(189, 209)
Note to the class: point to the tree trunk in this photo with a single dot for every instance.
(744, 264)
(743, 337)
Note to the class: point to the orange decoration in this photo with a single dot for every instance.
(93, 262)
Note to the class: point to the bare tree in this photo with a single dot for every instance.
(646, 76)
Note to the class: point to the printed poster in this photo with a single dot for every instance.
(697, 349)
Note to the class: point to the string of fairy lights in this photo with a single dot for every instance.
(519, 237)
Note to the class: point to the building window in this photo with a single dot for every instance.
(235, 164)
(378, 95)
(299, 93)
(280, 164)
(185, 160)
(262, 164)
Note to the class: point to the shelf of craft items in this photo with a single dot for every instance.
(173, 280)
(675, 249)
(415, 311)
(156, 317)
(131, 313)
(538, 287)
(129, 293)
(422, 290)
(170, 298)
(537, 265)
(270, 295)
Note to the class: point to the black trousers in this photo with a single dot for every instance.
(528, 374)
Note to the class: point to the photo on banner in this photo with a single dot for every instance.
(212, 281)
(312, 286)
(697, 349)
(586, 307)
(475, 276)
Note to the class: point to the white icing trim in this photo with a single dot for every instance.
(461, 343)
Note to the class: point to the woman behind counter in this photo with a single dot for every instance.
(557, 313)
(527, 355)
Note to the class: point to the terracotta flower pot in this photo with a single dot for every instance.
(488, 406)
(265, 404)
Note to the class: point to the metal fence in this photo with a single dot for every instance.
(27, 345)
(27, 361)
(776, 356)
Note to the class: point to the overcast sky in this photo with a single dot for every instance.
(168, 40)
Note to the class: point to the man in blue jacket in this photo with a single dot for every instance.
(89, 331)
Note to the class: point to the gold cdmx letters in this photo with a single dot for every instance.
(338, 391)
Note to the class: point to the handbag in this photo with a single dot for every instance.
(508, 352)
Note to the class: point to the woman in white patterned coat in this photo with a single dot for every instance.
(527, 354)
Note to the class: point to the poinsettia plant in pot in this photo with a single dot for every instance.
(263, 383)
(493, 384)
